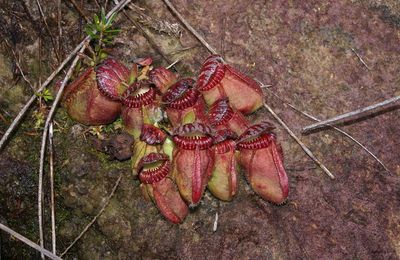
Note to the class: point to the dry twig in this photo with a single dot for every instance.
(17, 59)
(335, 128)
(162, 26)
(302, 145)
(148, 38)
(173, 64)
(356, 114)
(53, 42)
(44, 139)
(52, 200)
(96, 217)
(80, 10)
(189, 27)
(361, 59)
(29, 242)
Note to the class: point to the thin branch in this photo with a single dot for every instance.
(59, 27)
(52, 199)
(17, 59)
(173, 64)
(146, 35)
(29, 242)
(23, 111)
(335, 128)
(48, 30)
(188, 26)
(302, 145)
(80, 11)
(183, 49)
(44, 140)
(22, 73)
(96, 217)
(359, 113)
(361, 59)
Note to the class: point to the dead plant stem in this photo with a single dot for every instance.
(189, 27)
(148, 38)
(302, 145)
(359, 113)
(360, 59)
(97, 215)
(17, 59)
(29, 242)
(335, 128)
(52, 198)
(53, 42)
(44, 140)
(80, 11)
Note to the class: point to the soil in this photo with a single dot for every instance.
(306, 50)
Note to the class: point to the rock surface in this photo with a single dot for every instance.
(307, 51)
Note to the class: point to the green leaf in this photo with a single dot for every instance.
(103, 54)
(96, 19)
(112, 30)
(103, 16)
(89, 32)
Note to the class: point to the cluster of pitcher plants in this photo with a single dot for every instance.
(189, 134)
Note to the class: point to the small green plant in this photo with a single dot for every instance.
(38, 118)
(114, 127)
(103, 130)
(46, 95)
(101, 32)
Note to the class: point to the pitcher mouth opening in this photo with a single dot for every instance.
(193, 136)
(138, 95)
(220, 112)
(153, 168)
(211, 73)
(181, 95)
(256, 137)
(112, 77)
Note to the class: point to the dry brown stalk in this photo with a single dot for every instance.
(29, 242)
(80, 11)
(96, 217)
(189, 27)
(53, 42)
(147, 36)
(52, 198)
(302, 145)
(44, 140)
(356, 114)
(360, 59)
(335, 128)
